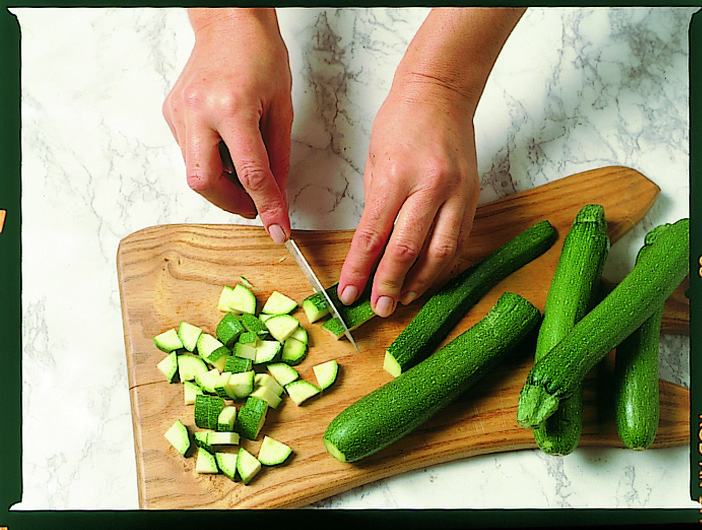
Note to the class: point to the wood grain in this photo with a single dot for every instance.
(176, 272)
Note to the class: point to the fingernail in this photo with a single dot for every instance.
(348, 295)
(384, 306)
(277, 234)
(408, 297)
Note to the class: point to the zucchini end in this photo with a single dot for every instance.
(535, 406)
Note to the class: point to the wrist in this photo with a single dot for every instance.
(217, 20)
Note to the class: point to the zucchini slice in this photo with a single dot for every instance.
(168, 366)
(326, 373)
(226, 462)
(301, 390)
(206, 462)
(247, 465)
(251, 417)
(179, 437)
(273, 452)
(279, 304)
(168, 341)
(189, 334)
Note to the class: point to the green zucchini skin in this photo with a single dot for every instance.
(573, 291)
(650, 282)
(395, 409)
(637, 401)
(442, 311)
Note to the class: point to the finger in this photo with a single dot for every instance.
(206, 175)
(276, 130)
(441, 250)
(368, 243)
(402, 251)
(252, 165)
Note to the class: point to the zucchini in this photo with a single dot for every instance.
(301, 390)
(168, 341)
(226, 462)
(168, 366)
(573, 291)
(283, 373)
(395, 409)
(654, 277)
(326, 373)
(229, 329)
(637, 401)
(178, 436)
(282, 326)
(189, 366)
(273, 452)
(268, 351)
(226, 418)
(443, 310)
(206, 462)
(251, 417)
(279, 304)
(238, 299)
(354, 315)
(189, 334)
(247, 465)
(190, 390)
(294, 351)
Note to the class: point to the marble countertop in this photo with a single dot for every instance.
(574, 89)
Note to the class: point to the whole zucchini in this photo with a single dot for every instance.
(443, 310)
(572, 293)
(637, 401)
(651, 281)
(395, 409)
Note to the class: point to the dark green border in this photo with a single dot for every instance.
(10, 338)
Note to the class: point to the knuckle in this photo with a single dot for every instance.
(369, 241)
(252, 176)
(403, 252)
(443, 249)
(197, 183)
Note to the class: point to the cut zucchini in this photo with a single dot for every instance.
(190, 366)
(268, 351)
(247, 465)
(301, 335)
(326, 373)
(222, 438)
(229, 329)
(201, 440)
(208, 380)
(226, 462)
(241, 384)
(301, 390)
(206, 462)
(245, 351)
(254, 324)
(190, 390)
(168, 366)
(294, 351)
(334, 328)
(283, 373)
(207, 410)
(220, 385)
(251, 417)
(267, 395)
(206, 344)
(236, 364)
(273, 452)
(238, 299)
(218, 358)
(189, 334)
(282, 326)
(315, 307)
(168, 341)
(226, 418)
(268, 381)
(279, 304)
(179, 437)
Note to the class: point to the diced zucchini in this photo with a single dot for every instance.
(300, 334)
(238, 299)
(226, 462)
(326, 373)
(190, 390)
(294, 351)
(315, 307)
(215, 438)
(206, 462)
(207, 411)
(218, 358)
(168, 341)
(301, 390)
(228, 329)
(179, 437)
(245, 351)
(247, 465)
(283, 373)
(221, 385)
(254, 324)
(279, 304)
(267, 380)
(251, 417)
(273, 452)
(189, 334)
(201, 440)
(207, 381)
(268, 351)
(334, 328)
(168, 366)
(206, 344)
(226, 418)
(190, 366)
(282, 326)
(236, 364)
(241, 384)
(267, 395)
(246, 283)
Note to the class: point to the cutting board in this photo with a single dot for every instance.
(176, 272)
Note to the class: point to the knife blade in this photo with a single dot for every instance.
(317, 285)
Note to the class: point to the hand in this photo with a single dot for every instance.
(421, 192)
(236, 87)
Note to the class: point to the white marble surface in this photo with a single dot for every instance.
(573, 90)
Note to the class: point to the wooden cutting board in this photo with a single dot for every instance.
(173, 273)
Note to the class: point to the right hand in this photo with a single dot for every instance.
(236, 87)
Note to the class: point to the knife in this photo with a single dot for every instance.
(317, 285)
